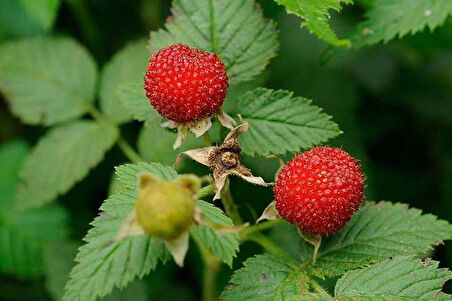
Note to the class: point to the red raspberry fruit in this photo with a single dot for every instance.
(319, 190)
(185, 84)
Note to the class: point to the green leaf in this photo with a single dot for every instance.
(316, 16)
(163, 150)
(12, 156)
(286, 236)
(59, 260)
(280, 122)
(126, 66)
(377, 232)
(19, 18)
(388, 19)
(223, 246)
(42, 11)
(235, 30)
(104, 263)
(401, 278)
(61, 158)
(47, 80)
(266, 277)
(23, 236)
(133, 99)
(128, 173)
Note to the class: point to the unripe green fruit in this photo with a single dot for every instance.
(165, 209)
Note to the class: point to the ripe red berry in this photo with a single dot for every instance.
(319, 190)
(185, 84)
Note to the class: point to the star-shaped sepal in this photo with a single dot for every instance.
(224, 160)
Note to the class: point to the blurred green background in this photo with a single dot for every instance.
(393, 103)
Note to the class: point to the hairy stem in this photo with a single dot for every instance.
(258, 228)
(125, 147)
(268, 245)
(205, 191)
(211, 268)
(232, 210)
(130, 153)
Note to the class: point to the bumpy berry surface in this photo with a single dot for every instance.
(319, 190)
(185, 84)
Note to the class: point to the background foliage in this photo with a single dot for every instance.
(393, 102)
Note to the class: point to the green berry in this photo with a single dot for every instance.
(165, 209)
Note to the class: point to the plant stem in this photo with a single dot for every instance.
(209, 290)
(268, 245)
(231, 208)
(207, 190)
(128, 150)
(258, 228)
(318, 288)
(86, 25)
(211, 268)
(131, 154)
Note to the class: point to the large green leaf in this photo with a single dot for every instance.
(133, 99)
(23, 236)
(47, 80)
(127, 66)
(223, 245)
(42, 11)
(20, 18)
(266, 277)
(279, 122)
(104, 263)
(388, 19)
(163, 150)
(316, 16)
(12, 156)
(377, 232)
(235, 30)
(61, 158)
(128, 173)
(401, 278)
(58, 262)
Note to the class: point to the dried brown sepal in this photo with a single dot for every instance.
(224, 160)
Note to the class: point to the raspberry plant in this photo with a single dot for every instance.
(337, 246)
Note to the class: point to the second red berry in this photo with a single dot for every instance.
(319, 190)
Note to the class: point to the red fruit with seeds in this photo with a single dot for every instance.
(185, 84)
(319, 190)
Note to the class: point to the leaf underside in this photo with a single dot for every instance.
(315, 14)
